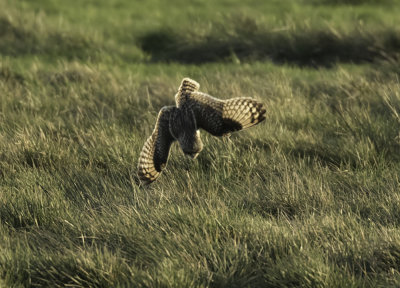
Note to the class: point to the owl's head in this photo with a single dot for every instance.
(191, 144)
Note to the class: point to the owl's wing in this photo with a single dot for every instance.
(187, 86)
(154, 155)
(220, 117)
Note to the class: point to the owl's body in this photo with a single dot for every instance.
(194, 110)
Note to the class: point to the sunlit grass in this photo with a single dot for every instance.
(308, 198)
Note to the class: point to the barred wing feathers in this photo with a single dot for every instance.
(154, 155)
(220, 117)
(187, 86)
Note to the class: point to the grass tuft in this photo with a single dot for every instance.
(19, 40)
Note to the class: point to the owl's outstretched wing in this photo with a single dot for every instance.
(187, 86)
(220, 117)
(154, 155)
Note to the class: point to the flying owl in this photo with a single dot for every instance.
(194, 110)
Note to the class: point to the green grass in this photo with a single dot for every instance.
(308, 198)
(243, 39)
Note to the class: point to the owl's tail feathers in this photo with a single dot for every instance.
(245, 112)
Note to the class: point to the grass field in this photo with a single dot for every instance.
(309, 198)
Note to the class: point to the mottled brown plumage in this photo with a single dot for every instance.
(194, 110)
(154, 155)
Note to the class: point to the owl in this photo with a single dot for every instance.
(194, 110)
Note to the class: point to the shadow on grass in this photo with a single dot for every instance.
(10, 76)
(352, 2)
(252, 42)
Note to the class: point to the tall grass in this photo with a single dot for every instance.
(308, 198)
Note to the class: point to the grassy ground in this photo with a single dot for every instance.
(309, 198)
